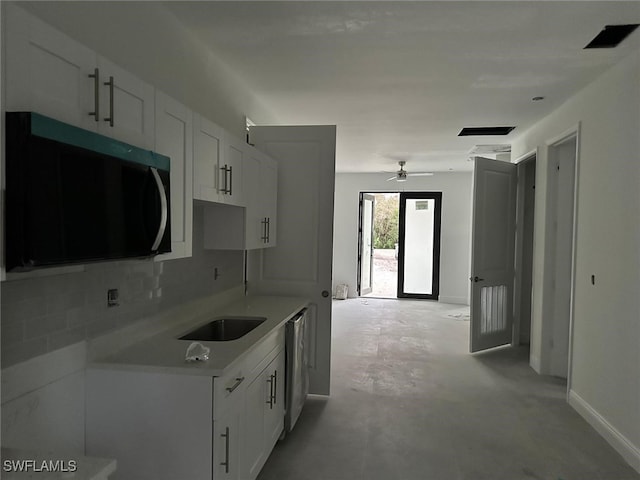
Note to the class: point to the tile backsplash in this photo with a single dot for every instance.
(42, 314)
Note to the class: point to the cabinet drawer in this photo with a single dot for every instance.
(229, 388)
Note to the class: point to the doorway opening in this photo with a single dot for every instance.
(399, 245)
(561, 191)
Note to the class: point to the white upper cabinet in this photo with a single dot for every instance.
(126, 106)
(269, 199)
(230, 171)
(254, 226)
(218, 164)
(50, 73)
(47, 72)
(260, 188)
(174, 138)
(207, 153)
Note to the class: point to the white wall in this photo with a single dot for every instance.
(604, 380)
(455, 234)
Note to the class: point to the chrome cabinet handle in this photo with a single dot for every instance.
(96, 94)
(270, 401)
(225, 464)
(226, 188)
(239, 380)
(231, 180)
(268, 229)
(264, 230)
(110, 117)
(164, 209)
(275, 387)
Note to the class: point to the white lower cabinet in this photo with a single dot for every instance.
(227, 434)
(182, 426)
(264, 415)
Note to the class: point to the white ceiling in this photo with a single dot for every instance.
(400, 79)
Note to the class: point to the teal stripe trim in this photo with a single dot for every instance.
(55, 130)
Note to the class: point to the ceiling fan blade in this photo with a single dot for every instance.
(421, 174)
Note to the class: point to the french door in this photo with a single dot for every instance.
(419, 245)
(365, 246)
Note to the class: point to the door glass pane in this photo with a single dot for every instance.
(418, 246)
(367, 229)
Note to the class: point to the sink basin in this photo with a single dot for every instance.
(223, 329)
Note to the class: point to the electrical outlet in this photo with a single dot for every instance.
(112, 297)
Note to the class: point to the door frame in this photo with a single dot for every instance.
(437, 229)
(531, 156)
(550, 213)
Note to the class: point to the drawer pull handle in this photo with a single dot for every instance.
(239, 380)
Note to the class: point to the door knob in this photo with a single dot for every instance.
(477, 279)
(325, 293)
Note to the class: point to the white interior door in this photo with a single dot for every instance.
(301, 262)
(492, 253)
(367, 208)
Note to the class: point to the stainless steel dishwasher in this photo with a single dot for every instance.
(297, 375)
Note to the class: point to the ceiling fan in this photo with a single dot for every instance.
(401, 175)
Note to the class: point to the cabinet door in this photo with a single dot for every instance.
(254, 448)
(264, 416)
(127, 106)
(227, 444)
(274, 409)
(46, 71)
(207, 154)
(269, 198)
(229, 173)
(255, 226)
(174, 135)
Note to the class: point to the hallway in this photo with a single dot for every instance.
(408, 402)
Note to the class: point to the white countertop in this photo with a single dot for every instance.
(164, 353)
(41, 466)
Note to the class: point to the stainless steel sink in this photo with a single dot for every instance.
(224, 329)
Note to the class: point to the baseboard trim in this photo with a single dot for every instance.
(454, 300)
(629, 451)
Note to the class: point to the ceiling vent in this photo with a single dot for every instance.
(611, 36)
(475, 131)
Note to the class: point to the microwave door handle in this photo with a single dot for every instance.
(163, 205)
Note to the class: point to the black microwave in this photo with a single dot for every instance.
(74, 196)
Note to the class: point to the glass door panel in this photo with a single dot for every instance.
(419, 247)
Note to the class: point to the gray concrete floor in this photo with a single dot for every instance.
(408, 402)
